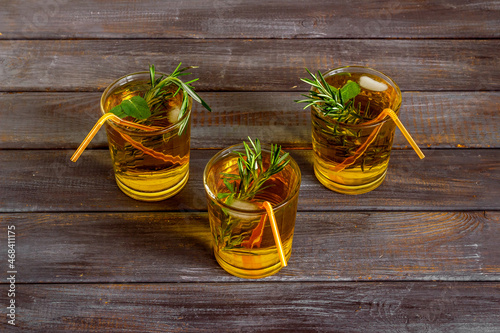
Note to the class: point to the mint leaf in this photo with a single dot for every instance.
(136, 107)
(349, 90)
(117, 110)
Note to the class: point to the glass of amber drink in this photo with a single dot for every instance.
(242, 236)
(148, 165)
(352, 157)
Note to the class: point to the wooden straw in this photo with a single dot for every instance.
(386, 112)
(98, 125)
(276, 233)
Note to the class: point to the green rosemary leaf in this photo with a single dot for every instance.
(223, 195)
(312, 83)
(177, 91)
(229, 186)
(205, 105)
(190, 91)
(282, 158)
(176, 71)
(326, 86)
(249, 155)
(189, 82)
(241, 165)
(230, 176)
(180, 71)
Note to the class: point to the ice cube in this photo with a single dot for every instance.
(244, 205)
(173, 114)
(370, 84)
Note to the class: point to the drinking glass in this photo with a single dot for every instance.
(353, 159)
(148, 165)
(242, 236)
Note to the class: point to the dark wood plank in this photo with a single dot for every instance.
(248, 19)
(435, 119)
(419, 254)
(259, 307)
(248, 65)
(456, 179)
(175, 247)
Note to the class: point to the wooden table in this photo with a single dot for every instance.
(418, 254)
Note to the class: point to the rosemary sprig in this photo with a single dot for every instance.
(143, 107)
(336, 103)
(251, 173)
(245, 185)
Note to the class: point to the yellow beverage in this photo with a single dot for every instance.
(352, 158)
(242, 236)
(148, 166)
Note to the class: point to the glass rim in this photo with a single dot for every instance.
(265, 148)
(130, 78)
(359, 69)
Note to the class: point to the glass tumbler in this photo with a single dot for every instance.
(353, 158)
(148, 165)
(242, 236)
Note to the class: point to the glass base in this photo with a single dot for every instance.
(153, 196)
(349, 189)
(250, 273)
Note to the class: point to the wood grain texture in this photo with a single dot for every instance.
(435, 120)
(456, 179)
(260, 307)
(248, 19)
(335, 246)
(418, 254)
(248, 65)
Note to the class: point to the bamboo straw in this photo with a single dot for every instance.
(276, 233)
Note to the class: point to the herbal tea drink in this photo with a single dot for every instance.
(243, 240)
(147, 118)
(149, 165)
(351, 134)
